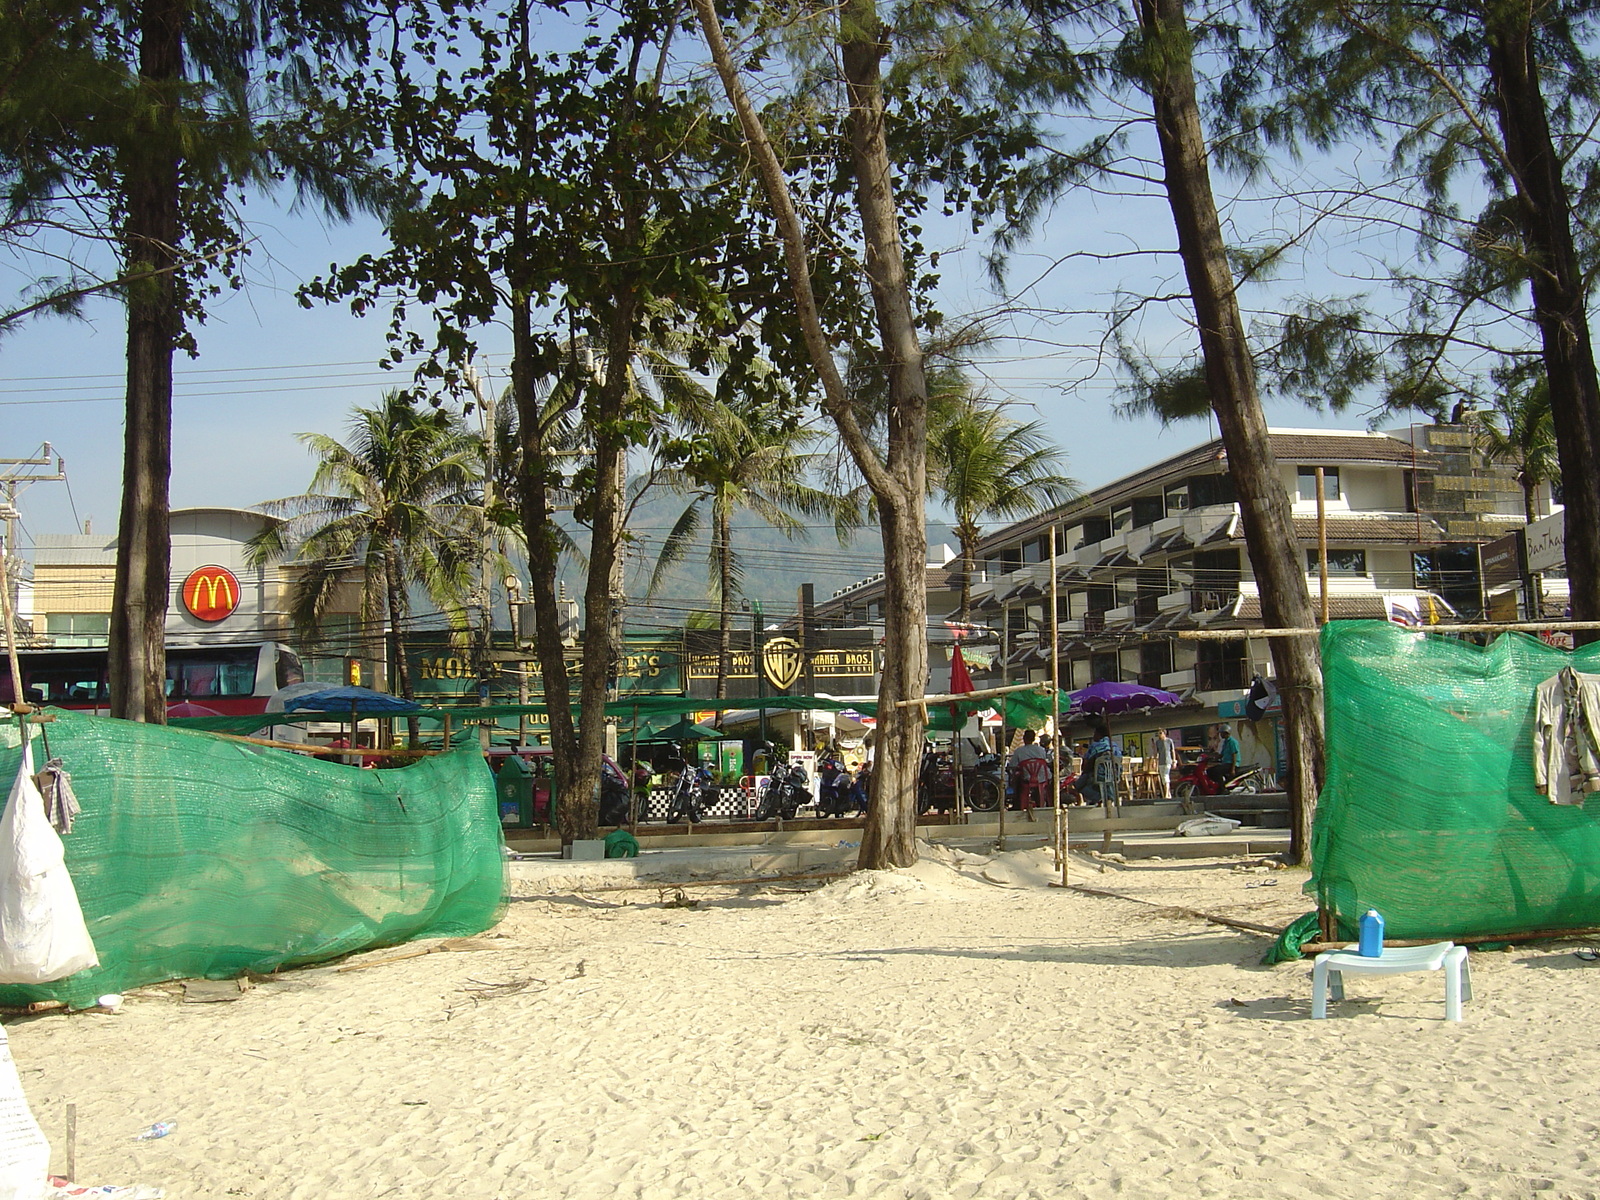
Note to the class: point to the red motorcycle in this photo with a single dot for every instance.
(1197, 779)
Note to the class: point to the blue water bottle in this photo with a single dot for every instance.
(1370, 944)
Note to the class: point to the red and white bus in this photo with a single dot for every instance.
(226, 678)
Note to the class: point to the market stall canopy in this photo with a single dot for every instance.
(681, 730)
(1117, 699)
(351, 699)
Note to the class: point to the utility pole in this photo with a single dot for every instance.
(14, 475)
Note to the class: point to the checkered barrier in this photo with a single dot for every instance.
(731, 804)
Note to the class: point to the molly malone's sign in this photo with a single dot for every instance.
(210, 593)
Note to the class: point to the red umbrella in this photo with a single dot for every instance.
(960, 677)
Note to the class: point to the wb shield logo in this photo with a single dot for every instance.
(780, 662)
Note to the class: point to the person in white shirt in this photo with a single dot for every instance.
(1166, 753)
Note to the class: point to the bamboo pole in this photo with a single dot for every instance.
(19, 701)
(1223, 635)
(981, 694)
(1055, 714)
(311, 747)
(1534, 935)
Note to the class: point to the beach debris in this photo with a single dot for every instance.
(413, 1103)
(210, 991)
(1587, 954)
(59, 1187)
(159, 1130)
(111, 1002)
(680, 900)
(485, 989)
(447, 946)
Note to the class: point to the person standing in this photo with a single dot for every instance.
(1166, 753)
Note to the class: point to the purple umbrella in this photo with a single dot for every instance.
(1115, 699)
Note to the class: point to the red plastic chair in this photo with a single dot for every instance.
(1033, 782)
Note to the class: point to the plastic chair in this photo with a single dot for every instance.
(1333, 965)
(1033, 783)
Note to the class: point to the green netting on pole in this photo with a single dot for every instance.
(1429, 812)
(196, 856)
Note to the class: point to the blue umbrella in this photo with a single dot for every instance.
(1114, 699)
(336, 699)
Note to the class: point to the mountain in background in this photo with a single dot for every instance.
(774, 566)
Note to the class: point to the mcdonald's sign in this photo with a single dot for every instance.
(211, 593)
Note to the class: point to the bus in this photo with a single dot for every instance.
(228, 679)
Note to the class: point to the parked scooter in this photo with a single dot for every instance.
(786, 790)
(837, 782)
(614, 798)
(1196, 779)
(936, 784)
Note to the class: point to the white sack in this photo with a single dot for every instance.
(1208, 826)
(24, 1153)
(42, 934)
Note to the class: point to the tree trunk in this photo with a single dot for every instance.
(395, 600)
(889, 839)
(1264, 504)
(722, 535)
(898, 482)
(967, 534)
(137, 666)
(535, 474)
(603, 591)
(1558, 287)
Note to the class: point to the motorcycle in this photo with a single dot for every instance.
(686, 800)
(936, 783)
(1196, 780)
(786, 790)
(614, 797)
(837, 783)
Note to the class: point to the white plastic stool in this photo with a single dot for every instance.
(1395, 960)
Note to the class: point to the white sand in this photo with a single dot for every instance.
(926, 1033)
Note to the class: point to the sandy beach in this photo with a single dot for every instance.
(955, 1030)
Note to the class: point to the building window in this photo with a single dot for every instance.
(1308, 483)
(1340, 562)
(1121, 519)
(1178, 499)
(78, 629)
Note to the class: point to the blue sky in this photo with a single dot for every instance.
(268, 369)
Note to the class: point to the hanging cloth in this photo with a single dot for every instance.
(60, 801)
(1566, 736)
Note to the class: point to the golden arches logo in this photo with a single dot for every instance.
(211, 593)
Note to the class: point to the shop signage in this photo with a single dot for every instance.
(856, 663)
(781, 662)
(1502, 560)
(833, 664)
(210, 593)
(1547, 543)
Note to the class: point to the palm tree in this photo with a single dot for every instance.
(743, 457)
(1518, 431)
(396, 504)
(986, 465)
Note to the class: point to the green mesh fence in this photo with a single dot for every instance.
(196, 856)
(1429, 812)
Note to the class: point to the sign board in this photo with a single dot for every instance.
(211, 593)
(1501, 560)
(1547, 542)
